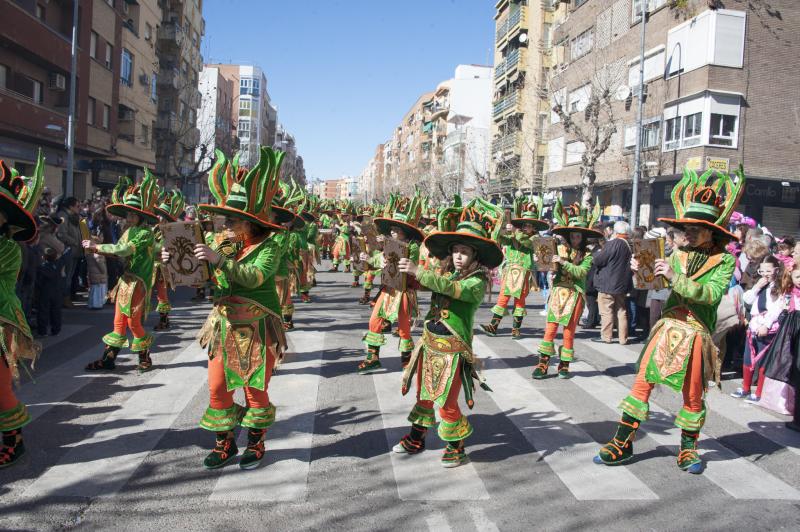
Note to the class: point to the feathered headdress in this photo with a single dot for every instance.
(19, 197)
(171, 205)
(139, 198)
(402, 212)
(576, 219)
(528, 210)
(698, 202)
(477, 225)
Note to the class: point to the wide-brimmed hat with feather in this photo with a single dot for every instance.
(528, 210)
(576, 219)
(698, 203)
(402, 212)
(477, 225)
(171, 205)
(246, 194)
(139, 198)
(19, 196)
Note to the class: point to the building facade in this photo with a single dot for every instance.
(292, 167)
(177, 137)
(719, 83)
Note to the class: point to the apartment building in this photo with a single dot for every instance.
(522, 56)
(721, 90)
(177, 137)
(292, 166)
(214, 118)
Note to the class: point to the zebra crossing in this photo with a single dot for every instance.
(107, 459)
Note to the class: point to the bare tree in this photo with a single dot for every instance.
(595, 124)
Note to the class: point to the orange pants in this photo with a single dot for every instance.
(221, 398)
(134, 323)
(551, 328)
(7, 398)
(519, 302)
(450, 412)
(161, 290)
(693, 385)
(403, 317)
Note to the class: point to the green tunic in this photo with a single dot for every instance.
(518, 252)
(14, 329)
(459, 298)
(137, 244)
(569, 285)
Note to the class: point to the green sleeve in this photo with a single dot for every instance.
(470, 290)
(524, 241)
(578, 271)
(413, 251)
(505, 239)
(253, 274)
(707, 293)
(126, 248)
(10, 260)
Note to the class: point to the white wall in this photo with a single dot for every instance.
(207, 114)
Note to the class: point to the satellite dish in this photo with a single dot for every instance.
(622, 93)
(523, 37)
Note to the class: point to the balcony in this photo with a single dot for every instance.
(502, 29)
(168, 122)
(20, 114)
(171, 32)
(499, 70)
(511, 142)
(503, 105)
(169, 78)
(502, 184)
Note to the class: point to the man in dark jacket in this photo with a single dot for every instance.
(613, 280)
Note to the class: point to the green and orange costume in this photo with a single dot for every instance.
(169, 210)
(443, 362)
(679, 352)
(244, 332)
(19, 196)
(131, 296)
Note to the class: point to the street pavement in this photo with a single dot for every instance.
(123, 451)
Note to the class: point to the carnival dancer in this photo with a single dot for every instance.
(309, 256)
(169, 210)
(19, 197)
(244, 333)
(400, 219)
(566, 300)
(134, 203)
(443, 361)
(517, 270)
(289, 243)
(679, 352)
(341, 246)
(326, 224)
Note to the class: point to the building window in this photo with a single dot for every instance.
(126, 70)
(40, 12)
(651, 134)
(636, 8)
(710, 38)
(575, 151)
(145, 135)
(90, 108)
(148, 31)
(582, 44)
(723, 129)
(653, 67)
(109, 56)
(249, 86)
(672, 140)
(93, 45)
(36, 92)
(555, 154)
(245, 107)
(692, 129)
(153, 87)
(579, 98)
(106, 116)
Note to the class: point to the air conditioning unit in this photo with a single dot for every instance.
(144, 79)
(57, 82)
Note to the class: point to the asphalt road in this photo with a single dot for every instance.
(122, 451)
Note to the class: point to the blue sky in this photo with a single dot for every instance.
(343, 72)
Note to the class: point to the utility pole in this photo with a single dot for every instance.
(69, 186)
(638, 155)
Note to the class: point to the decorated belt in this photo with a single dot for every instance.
(242, 310)
(687, 316)
(445, 345)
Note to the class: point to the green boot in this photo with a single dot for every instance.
(563, 370)
(13, 448)
(688, 458)
(491, 328)
(224, 451)
(255, 449)
(516, 328)
(106, 362)
(413, 442)
(454, 454)
(620, 449)
(372, 362)
(540, 371)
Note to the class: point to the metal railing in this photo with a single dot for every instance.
(506, 142)
(506, 103)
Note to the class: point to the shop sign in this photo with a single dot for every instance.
(718, 164)
(694, 163)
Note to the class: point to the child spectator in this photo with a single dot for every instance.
(785, 248)
(50, 294)
(98, 278)
(767, 303)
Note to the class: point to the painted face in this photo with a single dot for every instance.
(234, 227)
(697, 236)
(463, 256)
(397, 233)
(575, 239)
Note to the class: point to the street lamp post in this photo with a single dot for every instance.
(69, 186)
(640, 109)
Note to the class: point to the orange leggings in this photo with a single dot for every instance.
(161, 290)
(403, 317)
(221, 398)
(134, 323)
(551, 328)
(519, 302)
(450, 412)
(692, 384)
(7, 398)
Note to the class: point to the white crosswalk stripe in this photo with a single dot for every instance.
(736, 475)
(102, 464)
(419, 477)
(283, 475)
(565, 447)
